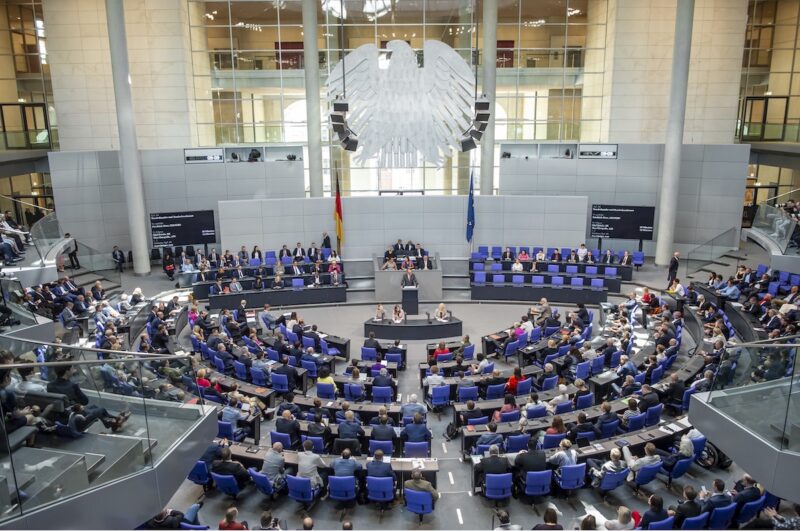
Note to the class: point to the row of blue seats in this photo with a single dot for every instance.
(551, 268)
(496, 253)
(379, 490)
(538, 280)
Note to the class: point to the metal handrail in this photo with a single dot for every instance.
(30, 365)
(779, 342)
(779, 195)
(26, 203)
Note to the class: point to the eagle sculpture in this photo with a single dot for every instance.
(399, 110)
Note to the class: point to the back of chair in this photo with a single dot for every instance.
(280, 382)
(698, 522)
(750, 510)
(572, 476)
(653, 415)
(648, 473)
(467, 393)
(667, 523)
(383, 395)
(498, 486)
(369, 354)
(535, 412)
(524, 387)
(549, 383)
(563, 407)
(496, 391)
(477, 421)
(552, 440)
(261, 481)
(226, 484)
(342, 488)
(609, 429)
(386, 446)
(380, 489)
(585, 401)
(515, 443)
(418, 502)
(416, 449)
(300, 488)
(199, 473)
(722, 517)
(538, 483)
(612, 480)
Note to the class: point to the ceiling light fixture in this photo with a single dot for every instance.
(335, 8)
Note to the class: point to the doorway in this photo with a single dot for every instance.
(753, 196)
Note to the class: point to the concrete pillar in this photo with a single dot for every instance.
(311, 61)
(671, 172)
(489, 88)
(130, 160)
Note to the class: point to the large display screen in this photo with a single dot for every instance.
(622, 222)
(182, 228)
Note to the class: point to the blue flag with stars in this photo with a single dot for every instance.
(470, 209)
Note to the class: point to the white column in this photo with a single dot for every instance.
(671, 172)
(311, 60)
(489, 88)
(130, 160)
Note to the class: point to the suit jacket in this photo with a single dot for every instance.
(408, 280)
(290, 372)
(674, 393)
(380, 469)
(507, 255)
(494, 464)
(747, 495)
(231, 468)
(118, 256)
(290, 427)
(416, 433)
(372, 343)
(383, 381)
(647, 401)
(382, 432)
(626, 260)
(673, 266)
(687, 509)
(298, 252)
(607, 259)
(535, 461)
(326, 242)
(70, 389)
(715, 501)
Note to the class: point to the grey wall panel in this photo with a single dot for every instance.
(372, 223)
(634, 178)
(107, 159)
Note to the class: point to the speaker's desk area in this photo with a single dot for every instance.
(412, 329)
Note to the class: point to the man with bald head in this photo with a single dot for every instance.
(289, 425)
(275, 466)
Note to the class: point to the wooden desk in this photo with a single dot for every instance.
(531, 371)
(661, 435)
(401, 466)
(365, 410)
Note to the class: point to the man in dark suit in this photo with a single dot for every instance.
(299, 254)
(745, 491)
(673, 394)
(326, 241)
(383, 379)
(382, 431)
(716, 498)
(284, 252)
(409, 279)
(583, 425)
(313, 334)
(606, 416)
(398, 247)
(531, 460)
(289, 371)
(288, 424)
(689, 508)
(317, 428)
(119, 258)
(508, 255)
(313, 252)
(470, 413)
(494, 464)
(648, 399)
(417, 431)
(371, 342)
(672, 272)
(225, 466)
(419, 252)
(378, 468)
(608, 351)
(350, 428)
(424, 263)
(224, 355)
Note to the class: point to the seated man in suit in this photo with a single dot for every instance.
(648, 399)
(491, 437)
(744, 491)
(687, 508)
(289, 371)
(716, 498)
(383, 380)
(289, 425)
(225, 466)
(508, 255)
(494, 464)
(382, 431)
(378, 468)
(350, 428)
(582, 426)
(371, 342)
(470, 413)
(531, 460)
(417, 431)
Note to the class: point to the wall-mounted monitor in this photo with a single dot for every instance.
(183, 228)
(622, 222)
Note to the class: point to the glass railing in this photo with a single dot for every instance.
(707, 253)
(755, 385)
(46, 234)
(78, 421)
(13, 300)
(769, 132)
(777, 225)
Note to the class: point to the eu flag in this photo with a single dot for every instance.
(470, 210)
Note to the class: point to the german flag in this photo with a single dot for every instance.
(338, 218)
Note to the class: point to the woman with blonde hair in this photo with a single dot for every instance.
(441, 312)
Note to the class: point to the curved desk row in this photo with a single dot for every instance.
(529, 293)
(202, 290)
(279, 297)
(614, 284)
(414, 329)
(624, 271)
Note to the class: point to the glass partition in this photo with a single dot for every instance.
(777, 225)
(76, 418)
(706, 253)
(46, 233)
(754, 386)
(13, 299)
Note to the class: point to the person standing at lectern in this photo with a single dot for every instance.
(409, 279)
